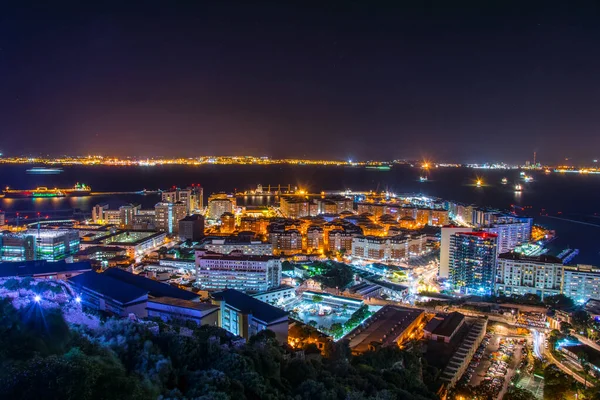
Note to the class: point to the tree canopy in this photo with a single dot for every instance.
(124, 359)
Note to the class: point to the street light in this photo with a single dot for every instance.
(37, 298)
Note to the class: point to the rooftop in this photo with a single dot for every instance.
(152, 287)
(449, 324)
(235, 255)
(543, 258)
(379, 327)
(192, 305)
(193, 217)
(483, 235)
(129, 237)
(249, 305)
(40, 267)
(108, 286)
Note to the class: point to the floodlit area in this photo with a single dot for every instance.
(323, 315)
(129, 237)
(324, 311)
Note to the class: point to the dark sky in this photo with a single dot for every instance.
(346, 80)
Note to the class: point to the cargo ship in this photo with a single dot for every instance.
(41, 192)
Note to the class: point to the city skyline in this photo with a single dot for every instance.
(348, 82)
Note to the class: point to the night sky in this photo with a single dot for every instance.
(347, 80)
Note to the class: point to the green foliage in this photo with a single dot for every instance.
(515, 393)
(359, 316)
(559, 301)
(336, 329)
(565, 328)
(581, 320)
(130, 360)
(556, 383)
(335, 275)
(317, 298)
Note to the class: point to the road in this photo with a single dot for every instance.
(566, 369)
(539, 340)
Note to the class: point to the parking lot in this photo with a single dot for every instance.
(494, 363)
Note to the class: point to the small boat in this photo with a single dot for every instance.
(44, 171)
(504, 181)
(379, 167)
(527, 178)
(479, 183)
(518, 188)
(423, 178)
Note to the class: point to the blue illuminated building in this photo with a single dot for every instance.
(472, 266)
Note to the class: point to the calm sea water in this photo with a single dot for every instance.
(570, 196)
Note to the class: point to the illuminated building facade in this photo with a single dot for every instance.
(168, 215)
(135, 243)
(101, 214)
(220, 203)
(16, 247)
(373, 248)
(191, 197)
(512, 231)
(258, 225)
(227, 222)
(422, 216)
(473, 261)
(247, 247)
(315, 239)
(581, 282)
(439, 217)
(246, 316)
(286, 242)
(399, 247)
(338, 240)
(127, 213)
(237, 271)
(375, 209)
(294, 207)
(519, 274)
(144, 220)
(43, 244)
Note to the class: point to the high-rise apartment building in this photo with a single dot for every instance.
(168, 215)
(511, 230)
(127, 213)
(191, 197)
(447, 232)
(473, 261)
